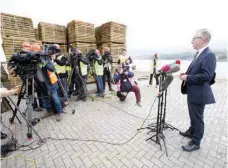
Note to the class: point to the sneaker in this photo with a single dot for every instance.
(78, 99)
(59, 117)
(46, 115)
(149, 85)
(84, 99)
(139, 104)
(3, 135)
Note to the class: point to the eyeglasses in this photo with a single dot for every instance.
(196, 37)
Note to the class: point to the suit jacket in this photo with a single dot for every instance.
(200, 76)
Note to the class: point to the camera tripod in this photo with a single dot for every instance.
(28, 82)
(160, 124)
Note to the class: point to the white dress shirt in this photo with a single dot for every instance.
(201, 50)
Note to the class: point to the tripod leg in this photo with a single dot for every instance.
(11, 108)
(41, 140)
(20, 96)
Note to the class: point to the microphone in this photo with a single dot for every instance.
(168, 67)
(165, 84)
(174, 68)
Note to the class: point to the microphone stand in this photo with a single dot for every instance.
(160, 124)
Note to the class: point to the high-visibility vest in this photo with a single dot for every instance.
(98, 68)
(123, 59)
(60, 69)
(83, 68)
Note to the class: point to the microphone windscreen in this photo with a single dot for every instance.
(165, 84)
(165, 68)
(178, 62)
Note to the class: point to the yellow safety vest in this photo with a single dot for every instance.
(60, 69)
(83, 68)
(123, 59)
(98, 68)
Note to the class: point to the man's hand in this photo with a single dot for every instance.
(183, 77)
(182, 74)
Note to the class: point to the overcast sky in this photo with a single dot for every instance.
(152, 25)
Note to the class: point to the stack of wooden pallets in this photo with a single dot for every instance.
(112, 35)
(81, 35)
(16, 26)
(14, 31)
(52, 33)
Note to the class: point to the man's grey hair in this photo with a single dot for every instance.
(205, 34)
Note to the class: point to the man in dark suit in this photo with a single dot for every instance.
(196, 84)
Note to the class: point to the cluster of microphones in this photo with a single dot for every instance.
(168, 70)
(171, 68)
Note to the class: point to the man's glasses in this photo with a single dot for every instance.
(197, 37)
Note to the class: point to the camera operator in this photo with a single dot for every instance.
(80, 66)
(46, 74)
(107, 57)
(99, 70)
(125, 82)
(61, 67)
(153, 70)
(24, 58)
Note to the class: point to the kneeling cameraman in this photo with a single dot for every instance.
(126, 83)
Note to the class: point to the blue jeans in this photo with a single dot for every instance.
(56, 101)
(100, 83)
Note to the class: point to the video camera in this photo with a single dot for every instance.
(92, 55)
(25, 62)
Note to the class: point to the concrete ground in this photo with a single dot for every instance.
(103, 133)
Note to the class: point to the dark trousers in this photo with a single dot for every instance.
(196, 112)
(83, 88)
(107, 74)
(151, 78)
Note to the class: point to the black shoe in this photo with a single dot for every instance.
(186, 134)
(190, 147)
(78, 98)
(3, 136)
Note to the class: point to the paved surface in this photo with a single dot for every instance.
(116, 122)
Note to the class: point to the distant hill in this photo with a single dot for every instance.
(221, 56)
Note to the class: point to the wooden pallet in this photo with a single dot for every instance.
(13, 44)
(115, 48)
(111, 32)
(37, 34)
(52, 33)
(84, 47)
(78, 31)
(16, 26)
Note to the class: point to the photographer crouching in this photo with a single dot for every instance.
(125, 82)
(79, 76)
